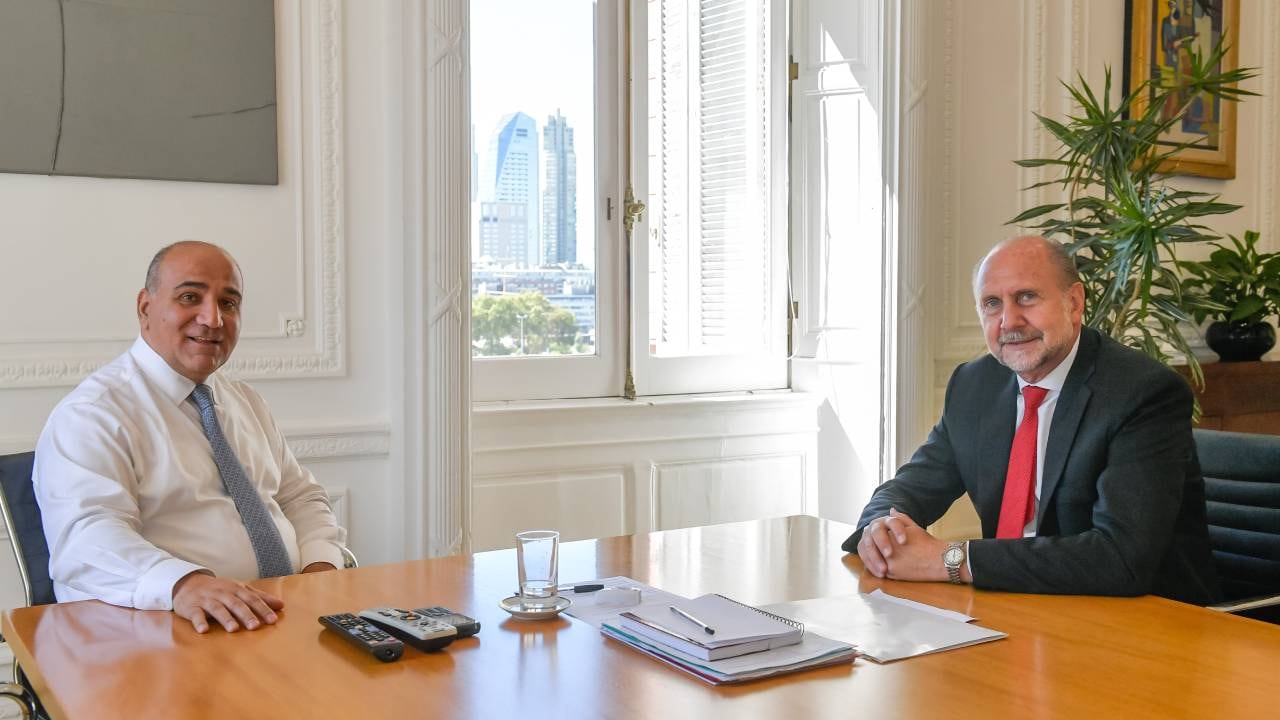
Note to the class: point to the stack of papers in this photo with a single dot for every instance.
(737, 629)
(811, 652)
(748, 643)
(887, 628)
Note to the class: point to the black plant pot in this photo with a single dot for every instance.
(1240, 342)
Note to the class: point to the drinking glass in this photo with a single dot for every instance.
(537, 558)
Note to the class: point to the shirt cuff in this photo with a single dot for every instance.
(320, 551)
(155, 587)
(967, 562)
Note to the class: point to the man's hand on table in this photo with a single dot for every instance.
(894, 546)
(200, 596)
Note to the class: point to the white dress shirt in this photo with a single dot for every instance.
(131, 498)
(1052, 382)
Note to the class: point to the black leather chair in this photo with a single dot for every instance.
(1242, 491)
(22, 518)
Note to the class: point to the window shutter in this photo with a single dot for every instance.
(715, 152)
(711, 282)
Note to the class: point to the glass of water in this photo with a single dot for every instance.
(537, 558)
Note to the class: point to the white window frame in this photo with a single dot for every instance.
(601, 374)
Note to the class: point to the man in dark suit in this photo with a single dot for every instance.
(1092, 489)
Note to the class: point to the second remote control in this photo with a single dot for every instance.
(420, 631)
(467, 626)
(364, 635)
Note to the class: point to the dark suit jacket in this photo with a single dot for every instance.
(1122, 508)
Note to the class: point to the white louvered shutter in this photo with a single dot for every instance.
(715, 233)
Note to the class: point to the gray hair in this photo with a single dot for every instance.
(153, 268)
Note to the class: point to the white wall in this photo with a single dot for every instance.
(992, 64)
(318, 252)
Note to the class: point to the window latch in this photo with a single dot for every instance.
(632, 210)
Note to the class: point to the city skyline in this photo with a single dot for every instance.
(538, 58)
(509, 174)
(559, 192)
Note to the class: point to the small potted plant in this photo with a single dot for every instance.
(1239, 288)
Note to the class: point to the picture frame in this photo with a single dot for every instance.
(1160, 35)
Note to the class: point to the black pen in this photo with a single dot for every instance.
(584, 588)
(707, 628)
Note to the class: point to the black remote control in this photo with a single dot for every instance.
(467, 626)
(364, 635)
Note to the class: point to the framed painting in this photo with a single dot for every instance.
(1163, 35)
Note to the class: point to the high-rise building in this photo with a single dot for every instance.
(511, 176)
(559, 193)
(504, 233)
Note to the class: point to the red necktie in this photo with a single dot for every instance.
(1019, 504)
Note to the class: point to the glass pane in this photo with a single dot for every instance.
(533, 225)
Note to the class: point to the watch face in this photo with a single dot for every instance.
(953, 556)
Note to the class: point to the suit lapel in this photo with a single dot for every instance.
(1066, 418)
(996, 431)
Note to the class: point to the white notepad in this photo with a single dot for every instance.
(739, 629)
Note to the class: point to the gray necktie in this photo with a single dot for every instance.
(273, 558)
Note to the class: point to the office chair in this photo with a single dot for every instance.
(26, 535)
(349, 559)
(1242, 491)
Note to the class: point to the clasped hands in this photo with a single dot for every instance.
(199, 596)
(896, 547)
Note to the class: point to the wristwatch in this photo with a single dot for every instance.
(952, 559)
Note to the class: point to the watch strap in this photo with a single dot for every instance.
(953, 570)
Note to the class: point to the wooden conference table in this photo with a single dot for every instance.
(1070, 657)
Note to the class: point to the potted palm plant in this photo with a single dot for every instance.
(1239, 288)
(1122, 220)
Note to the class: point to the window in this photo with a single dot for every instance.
(706, 307)
(545, 291)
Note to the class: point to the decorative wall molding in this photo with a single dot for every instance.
(437, 181)
(1031, 45)
(581, 503)
(910, 70)
(320, 199)
(338, 502)
(340, 443)
(308, 444)
(946, 229)
(589, 465)
(729, 470)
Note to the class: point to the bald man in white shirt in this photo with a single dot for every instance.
(135, 505)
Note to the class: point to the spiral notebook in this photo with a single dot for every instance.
(739, 629)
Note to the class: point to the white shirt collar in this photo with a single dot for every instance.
(173, 384)
(1054, 381)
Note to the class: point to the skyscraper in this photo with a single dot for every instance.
(511, 176)
(559, 193)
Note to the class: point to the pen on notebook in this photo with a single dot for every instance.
(707, 628)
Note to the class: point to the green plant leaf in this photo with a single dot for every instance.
(1246, 308)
